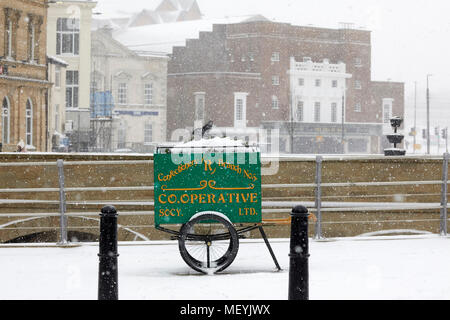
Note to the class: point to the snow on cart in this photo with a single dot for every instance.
(207, 195)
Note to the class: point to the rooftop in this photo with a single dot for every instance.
(163, 37)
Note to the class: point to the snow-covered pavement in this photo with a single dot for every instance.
(395, 267)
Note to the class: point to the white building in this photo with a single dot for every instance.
(137, 84)
(317, 91)
(69, 38)
(56, 102)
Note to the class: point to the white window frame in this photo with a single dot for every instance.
(300, 111)
(72, 32)
(72, 100)
(240, 109)
(358, 107)
(316, 111)
(57, 77)
(148, 93)
(122, 93)
(29, 122)
(358, 85)
(333, 112)
(6, 120)
(318, 83)
(275, 103)
(148, 133)
(199, 106)
(387, 105)
(301, 82)
(334, 83)
(275, 80)
(122, 136)
(57, 117)
(275, 56)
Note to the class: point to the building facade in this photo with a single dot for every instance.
(69, 38)
(23, 74)
(56, 104)
(135, 88)
(248, 66)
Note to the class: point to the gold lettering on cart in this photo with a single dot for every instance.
(211, 184)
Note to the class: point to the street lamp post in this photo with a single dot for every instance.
(428, 116)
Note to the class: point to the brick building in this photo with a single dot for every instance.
(238, 75)
(23, 74)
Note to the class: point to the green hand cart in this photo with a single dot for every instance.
(207, 201)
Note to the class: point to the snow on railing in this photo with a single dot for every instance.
(269, 207)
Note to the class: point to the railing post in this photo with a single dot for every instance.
(62, 203)
(107, 273)
(444, 190)
(299, 255)
(318, 198)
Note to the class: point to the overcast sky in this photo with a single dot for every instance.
(410, 38)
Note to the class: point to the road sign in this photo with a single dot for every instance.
(227, 183)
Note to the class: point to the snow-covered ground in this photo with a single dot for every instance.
(395, 267)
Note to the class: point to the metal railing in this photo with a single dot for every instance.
(318, 206)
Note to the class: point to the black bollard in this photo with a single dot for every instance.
(107, 273)
(299, 254)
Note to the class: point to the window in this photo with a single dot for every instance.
(121, 136)
(122, 93)
(275, 102)
(358, 107)
(68, 36)
(9, 41)
(5, 120)
(358, 62)
(317, 112)
(300, 111)
(148, 93)
(275, 56)
(387, 113)
(148, 133)
(334, 112)
(32, 42)
(275, 80)
(358, 84)
(58, 77)
(269, 140)
(71, 89)
(334, 83)
(318, 82)
(301, 82)
(239, 109)
(199, 106)
(57, 117)
(251, 56)
(29, 123)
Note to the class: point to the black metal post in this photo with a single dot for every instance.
(299, 254)
(107, 274)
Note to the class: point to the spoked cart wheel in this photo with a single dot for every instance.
(208, 242)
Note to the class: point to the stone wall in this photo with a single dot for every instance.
(275, 189)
